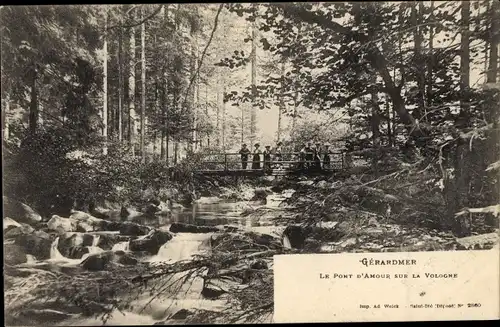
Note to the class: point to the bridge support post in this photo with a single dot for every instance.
(225, 161)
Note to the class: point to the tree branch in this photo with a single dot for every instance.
(157, 10)
(375, 57)
(197, 72)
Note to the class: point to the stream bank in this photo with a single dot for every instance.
(47, 260)
(210, 261)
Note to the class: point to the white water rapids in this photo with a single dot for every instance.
(182, 247)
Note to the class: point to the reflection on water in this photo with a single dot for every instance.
(222, 213)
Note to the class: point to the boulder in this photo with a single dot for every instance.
(125, 228)
(101, 213)
(163, 208)
(14, 254)
(37, 243)
(322, 184)
(21, 212)
(175, 205)
(260, 194)
(130, 213)
(373, 231)
(182, 314)
(482, 241)
(8, 222)
(249, 240)
(214, 288)
(86, 222)
(129, 228)
(150, 243)
(107, 241)
(124, 258)
(264, 239)
(14, 232)
(75, 245)
(62, 225)
(294, 236)
(100, 261)
(188, 228)
(150, 209)
(44, 316)
(259, 264)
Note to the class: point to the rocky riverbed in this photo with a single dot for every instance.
(165, 263)
(138, 240)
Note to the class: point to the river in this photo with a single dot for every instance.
(207, 212)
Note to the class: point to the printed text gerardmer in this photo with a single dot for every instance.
(389, 262)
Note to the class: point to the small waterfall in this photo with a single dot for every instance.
(286, 242)
(121, 246)
(96, 239)
(54, 251)
(94, 249)
(30, 259)
(182, 247)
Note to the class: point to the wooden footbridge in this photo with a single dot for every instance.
(230, 164)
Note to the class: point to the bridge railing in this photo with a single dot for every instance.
(289, 160)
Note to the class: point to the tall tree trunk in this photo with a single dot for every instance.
(206, 112)
(162, 145)
(5, 118)
(375, 126)
(491, 76)
(167, 149)
(295, 108)
(120, 84)
(193, 99)
(131, 92)
(217, 122)
(176, 151)
(33, 116)
(242, 123)
(224, 117)
(430, 63)
(465, 58)
(163, 116)
(198, 107)
(253, 56)
(155, 145)
(282, 107)
(104, 113)
(416, 15)
(388, 110)
(143, 89)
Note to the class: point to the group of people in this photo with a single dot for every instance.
(310, 156)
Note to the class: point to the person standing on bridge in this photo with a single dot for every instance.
(309, 153)
(278, 156)
(244, 152)
(302, 158)
(317, 156)
(256, 157)
(326, 156)
(267, 158)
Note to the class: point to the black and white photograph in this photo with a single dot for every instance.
(158, 157)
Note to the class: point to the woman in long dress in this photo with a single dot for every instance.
(256, 157)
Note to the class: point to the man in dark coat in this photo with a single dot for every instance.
(244, 152)
(267, 158)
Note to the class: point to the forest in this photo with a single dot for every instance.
(110, 109)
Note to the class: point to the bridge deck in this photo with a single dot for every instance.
(261, 172)
(214, 166)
